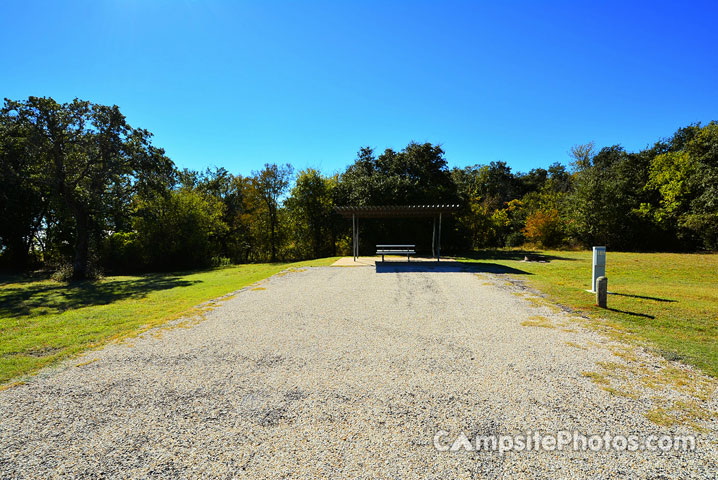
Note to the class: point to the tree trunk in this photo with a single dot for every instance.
(82, 244)
(272, 236)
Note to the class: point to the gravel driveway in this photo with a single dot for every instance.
(339, 373)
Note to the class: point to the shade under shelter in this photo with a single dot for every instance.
(398, 211)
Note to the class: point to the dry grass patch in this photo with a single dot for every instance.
(596, 377)
(82, 364)
(538, 321)
(678, 396)
(621, 393)
(681, 413)
(575, 345)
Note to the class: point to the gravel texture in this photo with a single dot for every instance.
(340, 373)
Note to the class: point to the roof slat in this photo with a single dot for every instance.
(384, 211)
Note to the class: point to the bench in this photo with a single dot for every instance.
(407, 250)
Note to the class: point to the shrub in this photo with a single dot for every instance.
(545, 228)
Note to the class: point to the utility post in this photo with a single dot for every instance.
(599, 266)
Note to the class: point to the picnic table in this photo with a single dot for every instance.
(407, 250)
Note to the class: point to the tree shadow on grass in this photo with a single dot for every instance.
(58, 297)
(445, 267)
(23, 278)
(516, 255)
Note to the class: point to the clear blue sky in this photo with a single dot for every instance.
(238, 84)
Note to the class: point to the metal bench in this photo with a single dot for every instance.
(407, 250)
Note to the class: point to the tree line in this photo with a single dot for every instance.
(81, 192)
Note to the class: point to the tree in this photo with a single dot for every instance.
(418, 174)
(22, 204)
(544, 227)
(582, 155)
(89, 159)
(673, 175)
(497, 184)
(703, 218)
(559, 180)
(270, 184)
(603, 206)
(532, 181)
(684, 180)
(178, 229)
(310, 207)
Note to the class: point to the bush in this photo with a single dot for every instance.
(545, 228)
(179, 230)
(122, 252)
(64, 271)
(515, 239)
(218, 261)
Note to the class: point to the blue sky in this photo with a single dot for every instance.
(238, 84)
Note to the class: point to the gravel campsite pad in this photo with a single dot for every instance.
(343, 373)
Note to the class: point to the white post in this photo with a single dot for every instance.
(599, 265)
(438, 242)
(354, 237)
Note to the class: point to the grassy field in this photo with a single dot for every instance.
(43, 321)
(667, 300)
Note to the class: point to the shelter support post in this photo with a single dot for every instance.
(438, 241)
(433, 240)
(354, 237)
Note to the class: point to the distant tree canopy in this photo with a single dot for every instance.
(82, 191)
(416, 175)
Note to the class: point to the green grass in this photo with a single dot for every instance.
(43, 321)
(666, 300)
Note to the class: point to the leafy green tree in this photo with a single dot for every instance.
(497, 184)
(418, 174)
(685, 178)
(582, 155)
(559, 179)
(703, 218)
(310, 209)
(179, 229)
(90, 160)
(480, 223)
(232, 192)
(270, 184)
(592, 203)
(604, 205)
(673, 175)
(539, 216)
(532, 181)
(22, 204)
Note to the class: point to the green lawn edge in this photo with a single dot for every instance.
(666, 302)
(43, 322)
